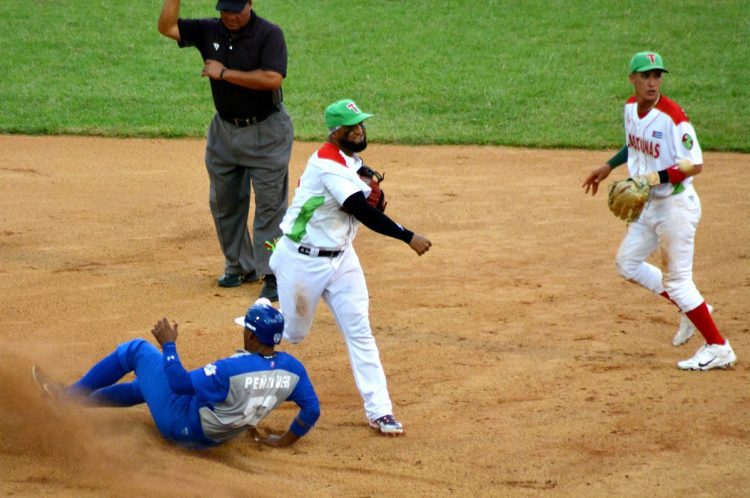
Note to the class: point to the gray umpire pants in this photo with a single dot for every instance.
(236, 158)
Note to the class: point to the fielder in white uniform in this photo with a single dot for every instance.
(315, 258)
(662, 147)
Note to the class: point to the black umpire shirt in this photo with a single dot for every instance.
(258, 45)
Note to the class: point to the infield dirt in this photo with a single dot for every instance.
(519, 361)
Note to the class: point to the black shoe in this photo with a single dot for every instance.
(250, 278)
(235, 280)
(269, 290)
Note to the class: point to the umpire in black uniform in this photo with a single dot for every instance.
(250, 138)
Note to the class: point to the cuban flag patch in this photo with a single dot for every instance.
(657, 134)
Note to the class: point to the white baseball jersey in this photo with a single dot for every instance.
(658, 140)
(315, 218)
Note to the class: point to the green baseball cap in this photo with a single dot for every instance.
(646, 61)
(344, 113)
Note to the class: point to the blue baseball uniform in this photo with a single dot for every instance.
(206, 406)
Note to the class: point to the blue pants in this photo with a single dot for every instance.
(175, 415)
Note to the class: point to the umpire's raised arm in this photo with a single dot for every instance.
(167, 24)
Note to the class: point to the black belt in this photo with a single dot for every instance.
(316, 252)
(243, 122)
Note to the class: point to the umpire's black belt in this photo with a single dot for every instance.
(243, 122)
(313, 251)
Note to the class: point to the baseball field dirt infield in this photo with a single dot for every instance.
(520, 363)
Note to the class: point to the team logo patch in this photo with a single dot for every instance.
(687, 141)
(209, 370)
(353, 107)
(216, 46)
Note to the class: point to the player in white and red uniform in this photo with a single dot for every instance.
(661, 146)
(315, 259)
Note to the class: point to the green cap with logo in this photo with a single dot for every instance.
(344, 113)
(646, 61)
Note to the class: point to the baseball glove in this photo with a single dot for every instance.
(372, 178)
(628, 197)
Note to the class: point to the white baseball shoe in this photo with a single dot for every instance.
(387, 424)
(710, 356)
(686, 329)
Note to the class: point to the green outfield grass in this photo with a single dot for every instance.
(527, 73)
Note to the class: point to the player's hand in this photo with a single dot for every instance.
(274, 440)
(286, 439)
(271, 440)
(212, 69)
(597, 176)
(419, 244)
(164, 332)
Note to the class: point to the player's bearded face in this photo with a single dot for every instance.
(355, 139)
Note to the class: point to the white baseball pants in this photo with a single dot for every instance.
(669, 224)
(302, 280)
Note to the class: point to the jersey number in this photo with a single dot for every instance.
(257, 408)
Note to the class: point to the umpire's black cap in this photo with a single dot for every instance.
(231, 5)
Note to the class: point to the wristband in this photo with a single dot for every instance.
(620, 158)
(221, 74)
(676, 175)
(298, 429)
(673, 175)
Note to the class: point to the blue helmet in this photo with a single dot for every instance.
(264, 321)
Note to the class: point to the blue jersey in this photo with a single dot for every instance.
(235, 393)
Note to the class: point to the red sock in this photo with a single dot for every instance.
(704, 322)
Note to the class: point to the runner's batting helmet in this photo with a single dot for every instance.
(264, 321)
